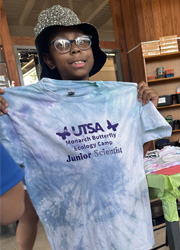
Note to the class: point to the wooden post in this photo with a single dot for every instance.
(8, 48)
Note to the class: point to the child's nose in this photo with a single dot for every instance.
(74, 48)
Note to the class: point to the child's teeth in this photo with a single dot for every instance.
(79, 62)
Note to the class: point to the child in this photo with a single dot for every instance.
(81, 142)
(11, 189)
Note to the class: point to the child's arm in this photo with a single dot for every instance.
(12, 204)
(11, 189)
(3, 103)
(146, 94)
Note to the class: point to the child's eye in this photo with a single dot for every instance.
(83, 41)
(60, 43)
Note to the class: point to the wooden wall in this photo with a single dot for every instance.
(147, 20)
(119, 34)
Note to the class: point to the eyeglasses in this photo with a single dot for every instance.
(63, 45)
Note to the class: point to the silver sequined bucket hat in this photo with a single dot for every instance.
(60, 16)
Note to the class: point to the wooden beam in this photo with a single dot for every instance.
(119, 34)
(70, 4)
(45, 5)
(7, 47)
(29, 41)
(92, 9)
(97, 10)
(107, 23)
(22, 40)
(109, 45)
(26, 12)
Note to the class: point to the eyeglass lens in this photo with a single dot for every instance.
(64, 45)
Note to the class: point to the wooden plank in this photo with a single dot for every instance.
(96, 10)
(128, 20)
(70, 4)
(166, 17)
(30, 41)
(157, 17)
(148, 20)
(134, 25)
(136, 65)
(140, 22)
(109, 45)
(7, 47)
(175, 11)
(92, 9)
(120, 35)
(163, 80)
(170, 106)
(27, 11)
(19, 40)
(162, 56)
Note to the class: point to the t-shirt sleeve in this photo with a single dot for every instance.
(11, 173)
(154, 125)
(10, 139)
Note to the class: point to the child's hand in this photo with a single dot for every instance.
(146, 94)
(3, 103)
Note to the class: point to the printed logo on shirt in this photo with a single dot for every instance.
(90, 145)
(87, 129)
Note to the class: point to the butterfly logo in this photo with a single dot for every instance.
(112, 126)
(64, 134)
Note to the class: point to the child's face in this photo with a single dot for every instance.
(73, 65)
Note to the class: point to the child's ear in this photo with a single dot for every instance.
(48, 60)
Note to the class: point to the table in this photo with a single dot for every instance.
(167, 189)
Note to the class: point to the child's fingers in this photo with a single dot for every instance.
(3, 106)
(141, 87)
(147, 94)
(2, 91)
(142, 84)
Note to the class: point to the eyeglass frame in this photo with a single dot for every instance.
(71, 41)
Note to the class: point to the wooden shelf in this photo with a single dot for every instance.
(162, 56)
(165, 86)
(169, 106)
(176, 131)
(163, 80)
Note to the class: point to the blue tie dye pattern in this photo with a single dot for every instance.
(83, 159)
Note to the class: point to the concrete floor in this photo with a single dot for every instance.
(8, 240)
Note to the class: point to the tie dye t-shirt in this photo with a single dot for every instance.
(82, 147)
